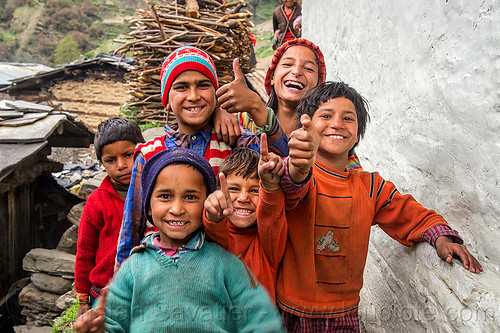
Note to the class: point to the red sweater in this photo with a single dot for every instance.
(329, 224)
(97, 238)
(261, 248)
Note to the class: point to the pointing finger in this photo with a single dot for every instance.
(264, 151)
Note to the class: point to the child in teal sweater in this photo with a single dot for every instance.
(175, 280)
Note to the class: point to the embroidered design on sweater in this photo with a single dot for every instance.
(327, 242)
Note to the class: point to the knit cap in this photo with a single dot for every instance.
(184, 59)
(297, 21)
(173, 156)
(279, 53)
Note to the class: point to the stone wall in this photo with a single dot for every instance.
(431, 72)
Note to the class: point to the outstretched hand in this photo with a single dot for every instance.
(93, 320)
(226, 126)
(237, 97)
(271, 167)
(446, 249)
(303, 145)
(218, 204)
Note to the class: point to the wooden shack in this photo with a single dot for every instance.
(32, 205)
(93, 89)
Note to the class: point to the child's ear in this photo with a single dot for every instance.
(272, 81)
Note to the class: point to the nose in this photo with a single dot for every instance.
(243, 196)
(193, 94)
(337, 121)
(297, 70)
(176, 207)
(121, 163)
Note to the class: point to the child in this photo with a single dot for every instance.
(297, 66)
(330, 210)
(283, 18)
(246, 219)
(297, 25)
(176, 281)
(114, 144)
(188, 84)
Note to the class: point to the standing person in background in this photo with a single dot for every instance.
(283, 18)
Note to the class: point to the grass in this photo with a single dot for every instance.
(65, 323)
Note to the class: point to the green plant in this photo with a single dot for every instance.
(65, 323)
(129, 112)
(66, 51)
(149, 125)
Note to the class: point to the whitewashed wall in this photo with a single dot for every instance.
(431, 72)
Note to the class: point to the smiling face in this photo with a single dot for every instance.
(336, 123)
(296, 73)
(192, 99)
(177, 204)
(118, 160)
(244, 194)
(288, 3)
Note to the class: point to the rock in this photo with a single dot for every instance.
(75, 213)
(66, 300)
(68, 240)
(26, 329)
(90, 185)
(52, 284)
(38, 301)
(49, 261)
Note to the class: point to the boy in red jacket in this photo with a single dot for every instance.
(114, 144)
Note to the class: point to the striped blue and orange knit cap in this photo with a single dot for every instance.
(184, 59)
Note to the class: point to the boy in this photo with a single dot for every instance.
(330, 211)
(176, 281)
(246, 219)
(188, 84)
(114, 144)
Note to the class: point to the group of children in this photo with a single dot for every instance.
(299, 225)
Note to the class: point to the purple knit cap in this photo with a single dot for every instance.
(173, 156)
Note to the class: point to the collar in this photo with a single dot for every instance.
(179, 137)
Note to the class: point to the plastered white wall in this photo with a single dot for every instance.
(431, 73)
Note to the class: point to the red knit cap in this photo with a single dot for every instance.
(183, 59)
(279, 53)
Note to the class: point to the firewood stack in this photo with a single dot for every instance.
(222, 30)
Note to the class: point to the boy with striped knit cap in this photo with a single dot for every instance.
(188, 85)
(176, 281)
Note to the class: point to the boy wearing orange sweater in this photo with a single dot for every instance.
(247, 215)
(330, 211)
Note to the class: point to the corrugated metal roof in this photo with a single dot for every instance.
(10, 71)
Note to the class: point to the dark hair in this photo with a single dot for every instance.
(328, 90)
(116, 129)
(243, 161)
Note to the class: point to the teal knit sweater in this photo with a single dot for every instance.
(206, 290)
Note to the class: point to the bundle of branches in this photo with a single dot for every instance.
(222, 30)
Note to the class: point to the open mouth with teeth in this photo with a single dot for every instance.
(294, 85)
(242, 212)
(176, 223)
(194, 109)
(336, 136)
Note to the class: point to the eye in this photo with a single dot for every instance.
(129, 155)
(165, 196)
(179, 87)
(255, 191)
(325, 116)
(109, 160)
(191, 197)
(310, 69)
(233, 189)
(205, 85)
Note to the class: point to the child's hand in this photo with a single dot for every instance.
(271, 167)
(93, 319)
(226, 126)
(218, 204)
(237, 97)
(82, 308)
(446, 249)
(303, 145)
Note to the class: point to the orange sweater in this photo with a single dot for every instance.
(261, 248)
(329, 225)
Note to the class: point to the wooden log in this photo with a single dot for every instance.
(192, 9)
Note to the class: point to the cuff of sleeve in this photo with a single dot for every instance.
(83, 297)
(271, 197)
(271, 118)
(436, 231)
(288, 185)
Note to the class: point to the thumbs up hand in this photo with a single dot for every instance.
(218, 204)
(303, 146)
(237, 97)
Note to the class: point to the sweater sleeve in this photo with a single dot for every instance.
(91, 224)
(133, 225)
(119, 300)
(217, 231)
(251, 306)
(401, 216)
(272, 226)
